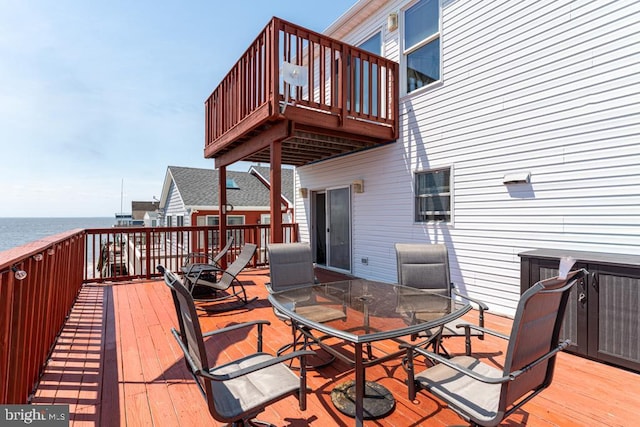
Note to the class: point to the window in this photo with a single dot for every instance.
(180, 220)
(169, 221)
(433, 196)
(422, 44)
(232, 184)
(369, 82)
(372, 44)
(214, 220)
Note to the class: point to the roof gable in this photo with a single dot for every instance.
(199, 187)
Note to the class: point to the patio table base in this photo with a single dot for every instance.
(378, 401)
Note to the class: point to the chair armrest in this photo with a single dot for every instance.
(564, 344)
(197, 255)
(196, 370)
(485, 330)
(234, 327)
(443, 360)
(481, 305)
(256, 367)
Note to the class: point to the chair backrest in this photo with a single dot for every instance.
(423, 265)
(224, 250)
(535, 333)
(188, 322)
(244, 258)
(290, 264)
(191, 334)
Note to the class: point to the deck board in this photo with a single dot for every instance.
(116, 363)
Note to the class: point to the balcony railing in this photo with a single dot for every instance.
(33, 309)
(350, 93)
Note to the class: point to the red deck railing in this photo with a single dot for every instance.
(115, 254)
(33, 309)
(343, 81)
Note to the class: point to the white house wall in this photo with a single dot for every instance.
(175, 205)
(547, 87)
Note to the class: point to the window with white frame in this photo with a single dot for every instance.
(433, 195)
(422, 44)
(214, 220)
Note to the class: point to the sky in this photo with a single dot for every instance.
(98, 97)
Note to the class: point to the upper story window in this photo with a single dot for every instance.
(373, 44)
(422, 44)
(433, 196)
(366, 77)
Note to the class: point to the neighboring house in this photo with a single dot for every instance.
(190, 196)
(151, 219)
(136, 218)
(139, 210)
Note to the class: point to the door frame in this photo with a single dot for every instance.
(327, 237)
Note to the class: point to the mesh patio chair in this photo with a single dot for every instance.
(426, 266)
(237, 391)
(218, 289)
(291, 265)
(194, 259)
(483, 394)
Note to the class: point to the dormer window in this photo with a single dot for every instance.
(232, 184)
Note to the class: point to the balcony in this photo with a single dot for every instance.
(347, 102)
(103, 346)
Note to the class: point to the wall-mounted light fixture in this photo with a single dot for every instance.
(51, 251)
(358, 186)
(304, 192)
(38, 257)
(521, 177)
(19, 274)
(392, 21)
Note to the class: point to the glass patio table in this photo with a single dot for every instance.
(374, 311)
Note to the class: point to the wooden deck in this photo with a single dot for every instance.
(116, 363)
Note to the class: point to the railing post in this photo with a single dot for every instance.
(276, 25)
(342, 78)
(148, 247)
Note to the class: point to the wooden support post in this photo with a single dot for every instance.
(276, 191)
(222, 223)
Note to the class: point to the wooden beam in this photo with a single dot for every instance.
(277, 132)
(254, 120)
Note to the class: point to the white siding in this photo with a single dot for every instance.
(549, 87)
(175, 205)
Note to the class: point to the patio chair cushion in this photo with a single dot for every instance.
(473, 396)
(255, 390)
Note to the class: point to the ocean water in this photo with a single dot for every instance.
(18, 231)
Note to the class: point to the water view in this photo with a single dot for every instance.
(18, 231)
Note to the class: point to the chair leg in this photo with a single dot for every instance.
(407, 364)
(300, 339)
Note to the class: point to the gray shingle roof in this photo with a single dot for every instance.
(199, 187)
(287, 179)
